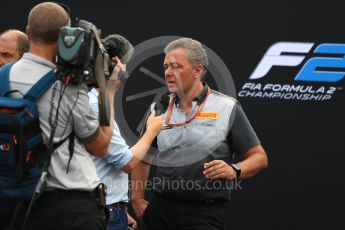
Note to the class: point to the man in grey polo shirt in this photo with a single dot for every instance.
(70, 200)
(204, 128)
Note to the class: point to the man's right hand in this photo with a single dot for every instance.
(139, 206)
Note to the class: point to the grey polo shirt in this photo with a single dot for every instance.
(74, 114)
(220, 130)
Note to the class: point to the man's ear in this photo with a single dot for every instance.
(28, 33)
(198, 70)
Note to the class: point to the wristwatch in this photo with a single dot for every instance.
(237, 170)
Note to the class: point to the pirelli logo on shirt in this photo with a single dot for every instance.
(207, 116)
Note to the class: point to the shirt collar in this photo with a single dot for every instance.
(38, 59)
(199, 99)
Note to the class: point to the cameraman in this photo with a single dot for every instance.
(70, 200)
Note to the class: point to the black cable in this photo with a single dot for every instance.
(49, 151)
(50, 142)
(52, 103)
(71, 138)
(75, 102)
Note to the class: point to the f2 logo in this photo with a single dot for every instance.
(309, 71)
(278, 55)
(274, 57)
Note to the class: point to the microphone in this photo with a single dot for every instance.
(117, 45)
(161, 106)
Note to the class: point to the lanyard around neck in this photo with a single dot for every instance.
(170, 110)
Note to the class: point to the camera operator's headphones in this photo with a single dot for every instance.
(68, 11)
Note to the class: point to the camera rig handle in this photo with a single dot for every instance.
(102, 74)
(103, 100)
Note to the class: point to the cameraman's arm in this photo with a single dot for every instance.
(99, 145)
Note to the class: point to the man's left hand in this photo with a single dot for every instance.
(218, 169)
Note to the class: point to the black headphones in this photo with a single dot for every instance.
(68, 11)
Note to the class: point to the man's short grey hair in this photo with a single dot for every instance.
(195, 52)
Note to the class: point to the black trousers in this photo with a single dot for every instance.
(9, 208)
(169, 214)
(67, 210)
